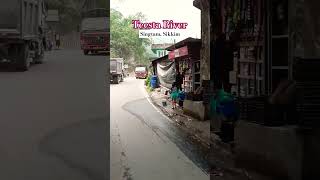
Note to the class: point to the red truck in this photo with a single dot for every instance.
(141, 72)
(95, 32)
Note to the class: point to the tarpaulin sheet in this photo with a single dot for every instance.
(166, 73)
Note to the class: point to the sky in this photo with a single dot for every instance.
(158, 10)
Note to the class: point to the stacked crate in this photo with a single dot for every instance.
(250, 65)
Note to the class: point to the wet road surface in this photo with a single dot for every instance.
(54, 119)
(144, 143)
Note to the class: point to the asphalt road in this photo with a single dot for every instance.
(144, 143)
(54, 119)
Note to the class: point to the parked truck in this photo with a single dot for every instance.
(116, 70)
(22, 34)
(94, 35)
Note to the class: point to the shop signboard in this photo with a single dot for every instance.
(178, 52)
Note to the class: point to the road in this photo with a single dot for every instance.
(144, 143)
(54, 119)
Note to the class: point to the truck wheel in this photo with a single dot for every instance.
(39, 58)
(85, 52)
(116, 80)
(23, 61)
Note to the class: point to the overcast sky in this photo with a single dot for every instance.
(156, 10)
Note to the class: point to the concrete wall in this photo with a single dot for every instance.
(203, 5)
(205, 37)
(71, 41)
(195, 109)
(275, 151)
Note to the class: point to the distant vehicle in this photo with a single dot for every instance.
(116, 70)
(141, 72)
(95, 31)
(22, 37)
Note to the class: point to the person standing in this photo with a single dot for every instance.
(174, 96)
(179, 80)
(57, 38)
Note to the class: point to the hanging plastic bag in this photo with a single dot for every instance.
(213, 106)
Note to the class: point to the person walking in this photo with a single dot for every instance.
(174, 96)
(57, 38)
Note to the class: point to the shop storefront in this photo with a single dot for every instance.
(260, 53)
(186, 55)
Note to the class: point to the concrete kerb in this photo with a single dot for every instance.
(236, 173)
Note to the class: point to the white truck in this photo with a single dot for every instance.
(116, 70)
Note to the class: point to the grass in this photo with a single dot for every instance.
(148, 84)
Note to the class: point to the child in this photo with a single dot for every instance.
(174, 96)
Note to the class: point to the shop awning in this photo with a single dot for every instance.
(183, 51)
(186, 47)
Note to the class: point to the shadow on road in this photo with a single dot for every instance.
(7, 68)
(85, 139)
(100, 54)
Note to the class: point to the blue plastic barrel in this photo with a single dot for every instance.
(154, 81)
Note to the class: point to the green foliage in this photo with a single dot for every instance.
(103, 4)
(148, 81)
(149, 89)
(125, 41)
(148, 84)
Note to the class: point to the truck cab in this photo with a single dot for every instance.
(95, 32)
(141, 72)
(116, 70)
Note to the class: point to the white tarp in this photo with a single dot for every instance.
(166, 73)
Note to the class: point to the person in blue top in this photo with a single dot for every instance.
(174, 95)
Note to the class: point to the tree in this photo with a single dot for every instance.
(69, 11)
(103, 4)
(125, 41)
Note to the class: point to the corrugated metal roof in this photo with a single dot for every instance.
(160, 58)
(160, 46)
(183, 43)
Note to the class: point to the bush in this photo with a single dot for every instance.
(149, 89)
(148, 81)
